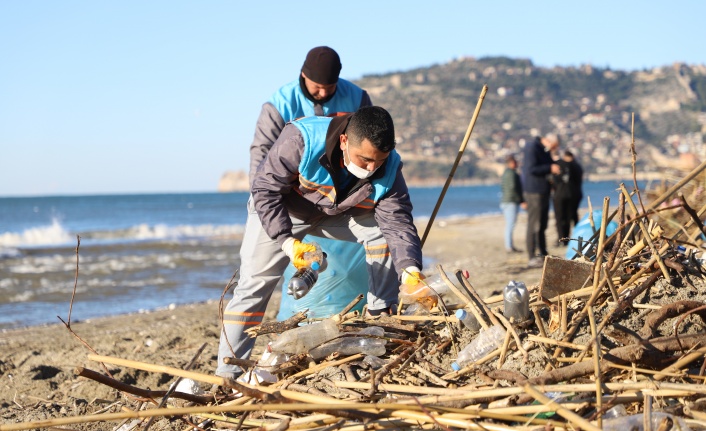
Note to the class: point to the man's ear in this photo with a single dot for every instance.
(343, 139)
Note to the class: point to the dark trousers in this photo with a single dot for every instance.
(537, 221)
(564, 213)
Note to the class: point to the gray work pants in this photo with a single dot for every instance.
(262, 263)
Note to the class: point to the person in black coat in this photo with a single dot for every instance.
(537, 168)
(567, 186)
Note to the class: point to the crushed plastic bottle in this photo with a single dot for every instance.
(351, 345)
(516, 301)
(304, 338)
(615, 412)
(468, 319)
(486, 341)
(304, 279)
(419, 293)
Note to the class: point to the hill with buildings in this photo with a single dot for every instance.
(591, 108)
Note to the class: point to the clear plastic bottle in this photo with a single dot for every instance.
(516, 301)
(304, 279)
(354, 344)
(468, 319)
(439, 286)
(486, 341)
(304, 338)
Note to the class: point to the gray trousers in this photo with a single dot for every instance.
(262, 263)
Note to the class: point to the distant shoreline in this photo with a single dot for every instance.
(439, 182)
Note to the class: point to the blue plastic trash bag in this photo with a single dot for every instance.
(584, 230)
(345, 278)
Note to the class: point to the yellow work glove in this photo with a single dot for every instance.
(295, 249)
(411, 276)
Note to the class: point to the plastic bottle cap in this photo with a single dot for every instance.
(315, 265)
(455, 366)
(461, 314)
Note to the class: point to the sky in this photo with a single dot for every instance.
(162, 96)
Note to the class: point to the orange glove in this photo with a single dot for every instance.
(412, 275)
(295, 249)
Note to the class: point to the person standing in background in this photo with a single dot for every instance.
(511, 200)
(536, 168)
(575, 184)
(567, 196)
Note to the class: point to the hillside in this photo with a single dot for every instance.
(589, 107)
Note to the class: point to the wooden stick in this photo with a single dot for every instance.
(645, 232)
(456, 162)
(597, 365)
(681, 362)
(556, 342)
(564, 314)
(503, 350)
(452, 286)
(539, 322)
(479, 301)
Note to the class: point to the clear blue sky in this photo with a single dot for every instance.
(162, 96)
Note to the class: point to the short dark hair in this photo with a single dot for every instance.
(374, 124)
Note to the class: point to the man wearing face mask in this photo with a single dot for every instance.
(334, 177)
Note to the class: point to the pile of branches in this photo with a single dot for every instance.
(580, 355)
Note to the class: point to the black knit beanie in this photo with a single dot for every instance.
(322, 65)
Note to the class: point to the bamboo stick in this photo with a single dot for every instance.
(597, 363)
(456, 162)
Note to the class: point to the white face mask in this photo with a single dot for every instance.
(356, 170)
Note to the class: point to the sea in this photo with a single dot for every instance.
(138, 252)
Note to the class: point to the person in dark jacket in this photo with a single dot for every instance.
(567, 186)
(511, 200)
(536, 168)
(338, 178)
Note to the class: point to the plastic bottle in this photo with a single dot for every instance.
(351, 345)
(487, 341)
(304, 338)
(439, 286)
(516, 301)
(304, 279)
(468, 320)
(615, 412)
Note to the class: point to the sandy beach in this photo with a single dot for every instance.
(37, 364)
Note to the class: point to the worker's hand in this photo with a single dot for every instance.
(295, 249)
(556, 169)
(412, 275)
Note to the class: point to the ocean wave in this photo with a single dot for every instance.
(53, 234)
(56, 234)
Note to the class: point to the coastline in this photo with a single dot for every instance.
(38, 362)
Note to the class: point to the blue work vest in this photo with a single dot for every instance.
(291, 103)
(313, 176)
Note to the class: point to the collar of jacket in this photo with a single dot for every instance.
(334, 155)
(302, 87)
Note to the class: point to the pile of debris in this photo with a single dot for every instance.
(613, 339)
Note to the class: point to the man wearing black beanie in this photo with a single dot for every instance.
(318, 91)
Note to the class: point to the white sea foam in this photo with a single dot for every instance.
(53, 234)
(56, 235)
